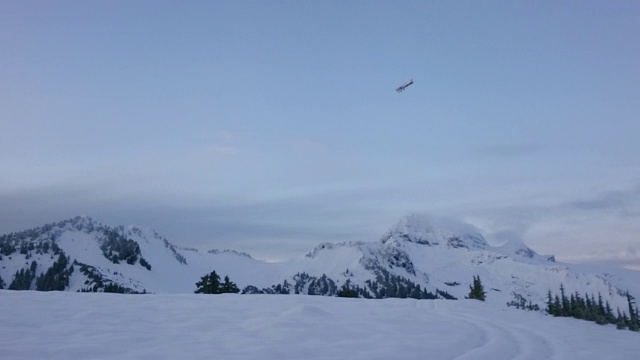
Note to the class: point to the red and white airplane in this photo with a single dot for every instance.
(402, 87)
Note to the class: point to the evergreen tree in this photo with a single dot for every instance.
(601, 307)
(590, 310)
(476, 290)
(144, 263)
(611, 319)
(209, 284)
(623, 320)
(566, 305)
(557, 306)
(114, 288)
(229, 286)
(633, 323)
(56, 277)
(22, 280)
(573, 306)
(415, 292)
(550, 305)
(347, 292)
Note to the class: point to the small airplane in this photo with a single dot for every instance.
(402, 87)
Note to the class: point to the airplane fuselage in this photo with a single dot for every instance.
(404, 86)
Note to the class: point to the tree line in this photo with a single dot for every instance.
(587, 307)
(210, 284)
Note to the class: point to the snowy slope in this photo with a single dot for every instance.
(441, 257)
(59, 325)
(446, 256)
(172, 269)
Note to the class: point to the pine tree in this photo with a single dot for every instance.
(566, 305)
(611, 319)
(347, 291)
(590, 310)
(574, 307)
(476, 290)
(229, 286)
(634, 322)
(601, 307)
(22, 280)
(623, 320)
(209, 284)
(550, 308)
(557, 306)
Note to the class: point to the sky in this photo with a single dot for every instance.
(268, 127)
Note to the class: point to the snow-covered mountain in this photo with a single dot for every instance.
(419, 257)
(88, 255)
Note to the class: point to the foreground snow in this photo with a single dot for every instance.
(62, 325)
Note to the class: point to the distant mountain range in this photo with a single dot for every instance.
(419, 257)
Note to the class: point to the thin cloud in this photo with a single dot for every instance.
(628, 258)
(621, 203)
(624, 202)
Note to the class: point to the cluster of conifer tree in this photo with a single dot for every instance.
(56, 277)
(210, 284)
(347, 291)
(589, 308)
(117, 247)
(304, 284)
(389, 285)
(94, 278)
(386, 285)
(397, 287)
(18, 243)
(322, 285)
(96, 283)
(519, 302)
(24, 277)
(111, 288)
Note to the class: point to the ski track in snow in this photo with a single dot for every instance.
(62, 325)
(502, 341)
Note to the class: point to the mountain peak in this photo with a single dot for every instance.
(434, 231)
(516, 247)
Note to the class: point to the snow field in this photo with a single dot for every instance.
(63, 325)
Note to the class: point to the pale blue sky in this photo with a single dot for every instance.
(269, 126)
